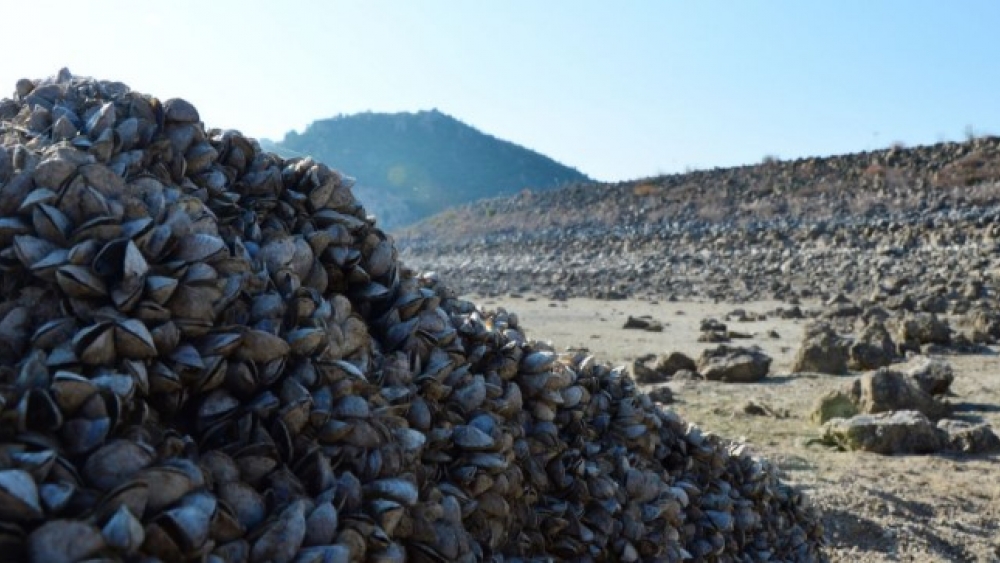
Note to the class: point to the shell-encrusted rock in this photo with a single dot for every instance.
(18, 496)
(124, 531)
(64, 541)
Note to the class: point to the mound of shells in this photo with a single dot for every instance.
(210, 353)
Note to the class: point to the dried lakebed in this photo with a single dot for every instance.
(875, 508)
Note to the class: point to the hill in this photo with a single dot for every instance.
(411, 165)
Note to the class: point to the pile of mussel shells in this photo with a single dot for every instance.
(211, 353)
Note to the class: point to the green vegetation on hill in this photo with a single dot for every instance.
(412, 165)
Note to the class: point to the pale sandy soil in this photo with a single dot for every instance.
(876, 508)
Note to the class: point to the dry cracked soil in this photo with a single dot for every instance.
(876, 508)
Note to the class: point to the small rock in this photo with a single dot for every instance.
(842, 310)
(643, 323)
(713, 337)
(795, 312)
(753, 408)
(712, 325)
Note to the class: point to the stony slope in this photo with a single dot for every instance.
(782, 229)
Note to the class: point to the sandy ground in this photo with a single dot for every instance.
(876, 508)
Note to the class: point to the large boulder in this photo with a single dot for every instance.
(873, 349)
(901, 432)
(909, 432)
(734, 364)
(887, 390)
(932, 375)
(822, 351)
(969, 438)
(918, 329)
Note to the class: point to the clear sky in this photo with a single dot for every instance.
(619, 90)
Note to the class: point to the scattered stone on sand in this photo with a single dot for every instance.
(734, 364)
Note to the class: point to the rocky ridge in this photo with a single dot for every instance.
(866, 225)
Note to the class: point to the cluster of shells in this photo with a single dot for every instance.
(210, 353)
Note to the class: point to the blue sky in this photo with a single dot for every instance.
(618, 90)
